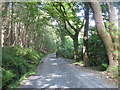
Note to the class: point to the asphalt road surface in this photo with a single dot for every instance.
(60, 73)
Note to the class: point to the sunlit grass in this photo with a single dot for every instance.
(24, 77)
(80, 63)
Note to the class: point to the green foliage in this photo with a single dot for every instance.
(115, 72)
(66, 50)
(97, 53)
(24, 77)
(7, 76)
(80, 63)
(16, 62)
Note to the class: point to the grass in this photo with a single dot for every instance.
(80, 63)
(24, 77)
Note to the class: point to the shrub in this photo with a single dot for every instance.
(97, 53)
(67, 50)
(7, 76)
(16, 61)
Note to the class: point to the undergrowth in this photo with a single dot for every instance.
(17, 63)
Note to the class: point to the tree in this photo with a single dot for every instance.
(69, 20)
(103, 34)
(25, 24)
(0, 27)
(114, 33)
(85, 38)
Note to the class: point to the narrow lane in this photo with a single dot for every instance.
(60, 73)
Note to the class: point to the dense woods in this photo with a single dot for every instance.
(86, 32)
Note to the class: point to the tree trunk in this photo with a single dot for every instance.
(11, 42)
(19, 40)
(119, 40)
(85, 38)
(0, 25)
(75, 42)
(28, 40)
(22, 36)
(5, 24)
(0, 42)
(113, 28)
(11, 28)
(104, 36)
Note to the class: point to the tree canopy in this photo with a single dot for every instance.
(30, 30)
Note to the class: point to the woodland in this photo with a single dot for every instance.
(86, 32)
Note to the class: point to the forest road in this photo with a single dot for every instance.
(60, 73)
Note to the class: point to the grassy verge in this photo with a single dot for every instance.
(17, 64)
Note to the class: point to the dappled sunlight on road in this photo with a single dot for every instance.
(84, 75)
(52, 59)
(55, 75)
(54, 64)
(45, 81)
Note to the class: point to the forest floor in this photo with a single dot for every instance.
(61, 73)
